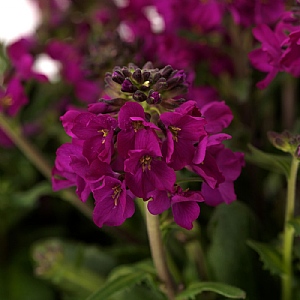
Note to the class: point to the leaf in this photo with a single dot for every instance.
(272, 162)
(71, 266)
(216, 287)
(296, 224)
(270, 257)
(29, 197)
(118, 284)
(229, 259)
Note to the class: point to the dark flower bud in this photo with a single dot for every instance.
(146, 75)
(177, 91)
(117, 77)
(148, 65)
(113, 103)
(147, 117)
(126, 72)
(139, 96)
(160, 85)
(137, 76)
(166, 71)
(285, 141)
(128, 87)
(155, 77)
(172, 82)
(154, 97)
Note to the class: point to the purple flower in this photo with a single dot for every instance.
(72, 169)
(183, 132)
(145, 172)
(251, 12)
(135, 130)
(268, 57)
(68, 120)
(72, 71)
(64, 176)
(184, 205)
(21, 58)
(113, 203)
(230, 164)
(290, 58)
(209, 170)
(218, 116)
(13, 98)
(97, 133)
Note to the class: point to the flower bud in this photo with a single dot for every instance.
(166, 71)
(154, 97)
(128, 87)
(139, 96)
(117, 77)
(137, 76)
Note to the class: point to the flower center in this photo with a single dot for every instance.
(116, 193)
(137, 125)
(174, 131)
(146, 162)
(6, 101)
(105, 133)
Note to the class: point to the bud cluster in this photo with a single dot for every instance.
(149, 84)
(286, 142)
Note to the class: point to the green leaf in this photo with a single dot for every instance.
(71, 266)
(119, 283)
(270, 257)
(29, 197)
(296, 224)
(216, 287)
(229, 259)
(272, 162)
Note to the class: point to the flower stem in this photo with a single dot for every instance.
(288, 237)
(158, 254)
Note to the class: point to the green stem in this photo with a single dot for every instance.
(158, 254)
(289, 232)
(37, 159)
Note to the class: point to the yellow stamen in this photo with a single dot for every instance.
(174, 131)
(6, 101)
(146, 162)
(105, 133)
(117, 191)
(137, 125)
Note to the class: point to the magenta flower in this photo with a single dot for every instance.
(184, 205)
(209, 170)
(72, 70)
(72, 169)
(253, 12)
(218, 116)
(13, 98)
(97, 133)
(135, 130)
(230, 164)
(146, 172)
(21, 58)
(290, 58)
(68, 120)
(64, 176)
(183, 132)
(268, 57)
(113, 203)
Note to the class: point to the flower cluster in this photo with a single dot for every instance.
(135, 145)
(279, 48)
